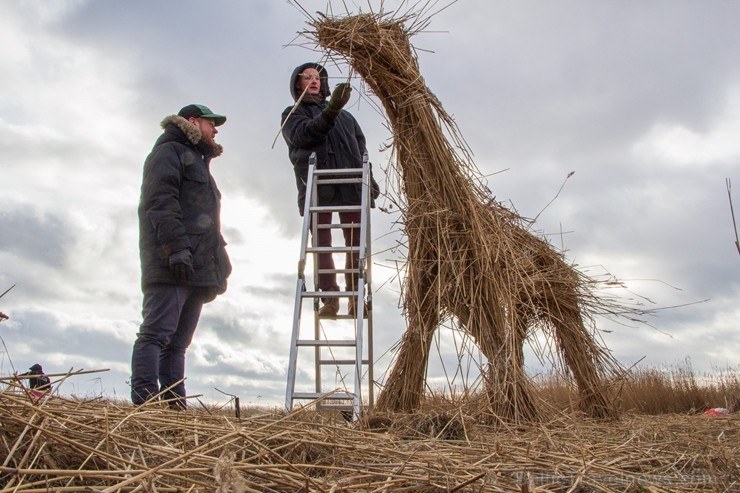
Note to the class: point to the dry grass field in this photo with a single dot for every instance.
(662, 442)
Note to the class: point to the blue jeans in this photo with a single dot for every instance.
(170, 314)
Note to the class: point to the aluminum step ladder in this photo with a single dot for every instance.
(333, 340)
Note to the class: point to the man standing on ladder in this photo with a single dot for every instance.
(314, 124)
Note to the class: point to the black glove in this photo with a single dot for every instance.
(339, 98)
(181, 265)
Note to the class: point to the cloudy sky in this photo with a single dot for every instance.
(640, 99)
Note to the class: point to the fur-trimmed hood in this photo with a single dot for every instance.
(192, 133)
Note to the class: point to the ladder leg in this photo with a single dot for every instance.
(293, 357)
(359, 351)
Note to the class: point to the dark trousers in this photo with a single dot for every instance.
(328, 282)
(170, 314)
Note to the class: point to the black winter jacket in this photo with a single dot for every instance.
(338, 143)
(180, 208)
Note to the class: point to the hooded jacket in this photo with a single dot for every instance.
(180, 208)
(338, 143)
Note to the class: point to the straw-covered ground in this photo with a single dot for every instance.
(61, 445)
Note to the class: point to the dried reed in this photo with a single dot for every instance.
(470, 258)
(66, 445)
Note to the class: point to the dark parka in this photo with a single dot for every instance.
(338, 143)
(180, 208)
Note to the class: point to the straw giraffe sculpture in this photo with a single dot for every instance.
(469, 257)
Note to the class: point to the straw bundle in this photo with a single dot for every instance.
(469, 257)
(66, 445)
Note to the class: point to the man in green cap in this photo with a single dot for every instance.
(183, 257)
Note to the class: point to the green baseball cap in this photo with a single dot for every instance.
(200, 111)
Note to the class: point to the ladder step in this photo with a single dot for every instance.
(338, 226)
(332, 362)
(335, 208)
(339, 171)
(326, 342)
(339, 271)
(338, 181)
(337, 249)
(345, 316)
(317, 395)
(328, 294)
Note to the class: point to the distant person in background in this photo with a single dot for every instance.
(183, 257)
(321, 126)
(37, 381)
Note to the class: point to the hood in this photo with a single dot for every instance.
(192, 133)
(322, 75)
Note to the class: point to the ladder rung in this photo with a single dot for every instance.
(328, 294)
(340, 362)
(339, 271)
(317, 395)
(337, 249)
(338, 181)
(341, 316)
(338, 171)
(335, 208)
(338, 226)
(326, 342)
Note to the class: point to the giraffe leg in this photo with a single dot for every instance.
(404, 388)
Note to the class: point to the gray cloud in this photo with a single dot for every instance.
(36, 236)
